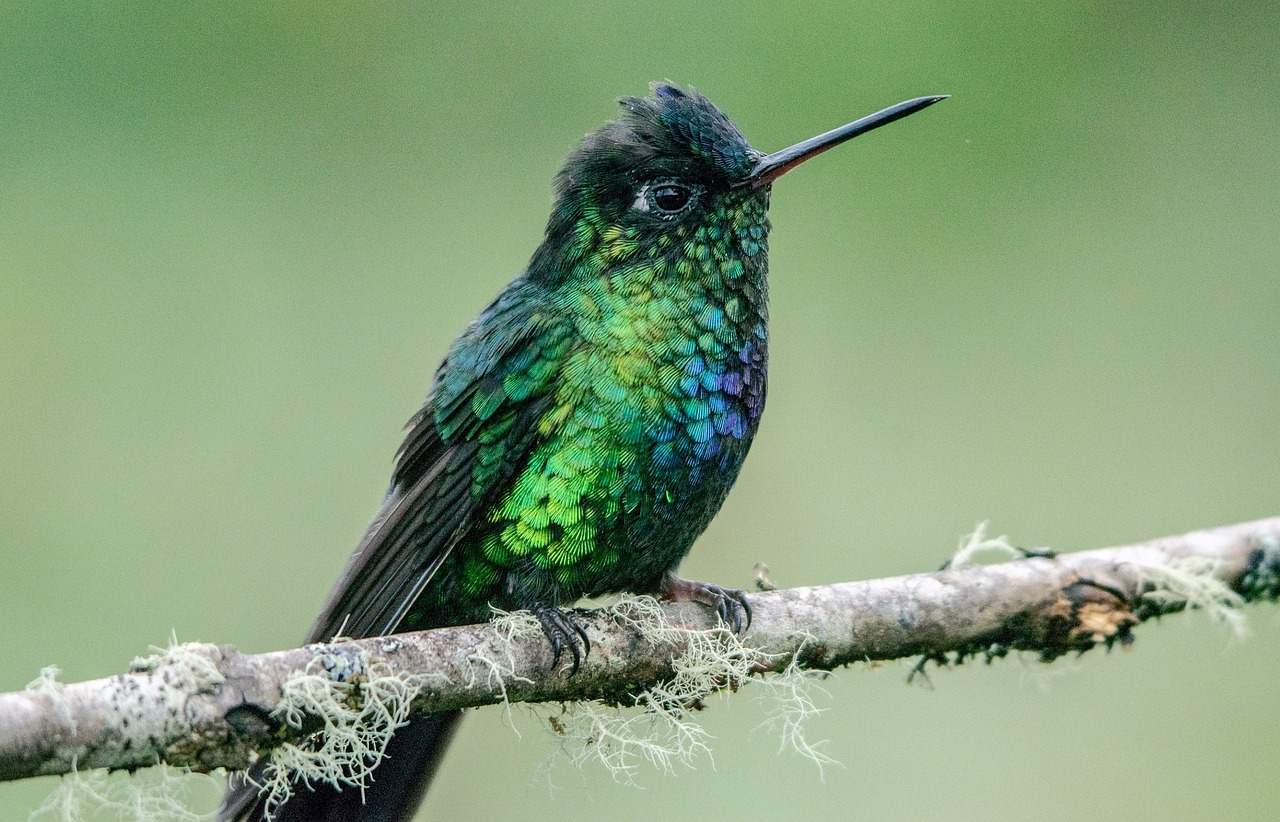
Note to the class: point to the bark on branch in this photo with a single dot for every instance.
(210, 706)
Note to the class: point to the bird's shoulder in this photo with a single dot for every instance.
(497, 378)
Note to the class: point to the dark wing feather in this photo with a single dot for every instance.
(490, 392)
(475, 431)
(416, 528)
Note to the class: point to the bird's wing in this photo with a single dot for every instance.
(476, 429)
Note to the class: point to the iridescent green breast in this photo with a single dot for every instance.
(653, 409)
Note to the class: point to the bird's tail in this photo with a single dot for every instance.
(393, 795)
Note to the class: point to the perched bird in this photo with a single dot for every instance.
(585, 428)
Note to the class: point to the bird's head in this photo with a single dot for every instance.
(671, 170)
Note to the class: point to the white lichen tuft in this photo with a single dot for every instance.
(513, 625)
(510, 626)
(620, 740)
(193, 660)
(48, 686)
(360, 704)
(1192, 581)
(188, 668)
(1034, 671)
(789, 708)
(711, 661)
(46, 682)
(978, 543)
(159, 794)
(658, 728)
(151, 794)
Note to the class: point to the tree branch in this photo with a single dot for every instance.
(206, 706)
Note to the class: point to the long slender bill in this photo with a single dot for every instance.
(772, 166)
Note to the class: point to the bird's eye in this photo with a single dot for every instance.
(671, 198)
(665, 199)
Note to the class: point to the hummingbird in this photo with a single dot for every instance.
(583, 431)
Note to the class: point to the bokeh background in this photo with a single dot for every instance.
(235, 240)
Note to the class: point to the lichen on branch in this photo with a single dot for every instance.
(206, 707)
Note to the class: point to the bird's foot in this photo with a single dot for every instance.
(731, 604)
(563, 631)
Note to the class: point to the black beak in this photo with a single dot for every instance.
(772, 166)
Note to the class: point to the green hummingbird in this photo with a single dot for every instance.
(586, 427)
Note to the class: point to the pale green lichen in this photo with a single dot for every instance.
(48, 686)
(46, 682)
(1034, 671)
(159, 794)
(360, 705)
(978, 543)
(510, 626)
(658, 728)
(153, 794)
(193, 659)
(1192, 582)
(788, 698)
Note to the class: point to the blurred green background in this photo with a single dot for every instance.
(236, 239)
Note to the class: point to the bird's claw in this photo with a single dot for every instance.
(563, 631)
(730, 604)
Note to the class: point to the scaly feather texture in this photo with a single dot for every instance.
(586, 427)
